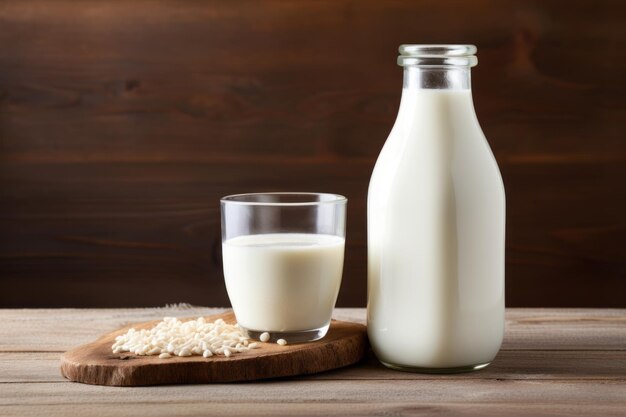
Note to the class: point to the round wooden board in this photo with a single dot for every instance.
(95, 363)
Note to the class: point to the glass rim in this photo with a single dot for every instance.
(330, 198)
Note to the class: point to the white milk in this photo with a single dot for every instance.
(285, 281)
(436, 213)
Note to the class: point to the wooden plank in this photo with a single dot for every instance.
(508, 365)
(20, 367)
(162, 107)
(58, 330)
(558, 329)
(610, 393)
(105, 243)
(529, 329)
(177, 249)
(221, 85)
(316, 408)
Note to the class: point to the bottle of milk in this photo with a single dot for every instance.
(436, 214)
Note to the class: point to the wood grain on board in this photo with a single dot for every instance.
(122, 123)
(94, 363)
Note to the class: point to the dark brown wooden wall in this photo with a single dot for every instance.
(123, 122)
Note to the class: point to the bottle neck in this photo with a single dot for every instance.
(437, 78)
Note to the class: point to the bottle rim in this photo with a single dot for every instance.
(437, 55)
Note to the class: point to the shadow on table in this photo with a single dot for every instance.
(509, 364)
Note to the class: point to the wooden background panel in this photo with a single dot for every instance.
(122, 123)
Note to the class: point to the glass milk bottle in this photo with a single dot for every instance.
(436, 214)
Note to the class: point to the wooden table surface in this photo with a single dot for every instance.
(553, 362)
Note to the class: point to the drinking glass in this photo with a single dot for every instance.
(283, 261)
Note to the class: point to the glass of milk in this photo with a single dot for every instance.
(283, 261)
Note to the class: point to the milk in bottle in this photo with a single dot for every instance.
(436, 217)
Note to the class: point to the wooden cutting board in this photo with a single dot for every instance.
(95, 363)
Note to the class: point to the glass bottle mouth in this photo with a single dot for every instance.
(437, 55)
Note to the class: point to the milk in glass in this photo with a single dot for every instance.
(284, 281)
